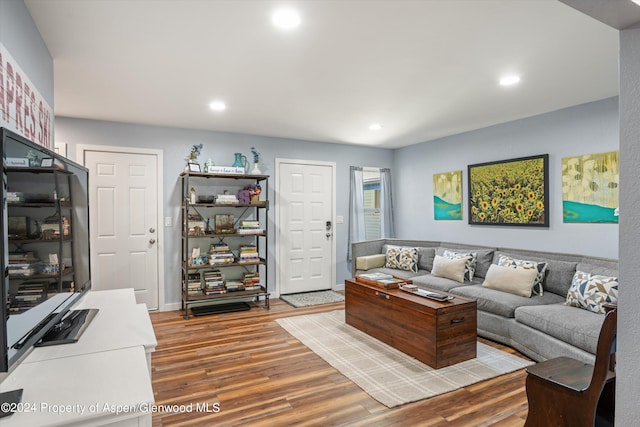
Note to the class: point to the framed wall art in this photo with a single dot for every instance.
(590, 192)
(447, 195)
(510, 192)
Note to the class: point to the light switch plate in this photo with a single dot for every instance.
(339, 219)
(167, 221)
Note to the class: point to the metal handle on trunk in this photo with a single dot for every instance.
(457, 320)
(381, 295)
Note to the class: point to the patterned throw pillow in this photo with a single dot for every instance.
(470, 265)
(591, 291)
(540, 267)
(402, 258)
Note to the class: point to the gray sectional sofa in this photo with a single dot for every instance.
(541, 327)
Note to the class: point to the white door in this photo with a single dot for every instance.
(124, 222)
(305, 204)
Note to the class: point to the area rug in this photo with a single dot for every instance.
(306, 299)
(386, 374)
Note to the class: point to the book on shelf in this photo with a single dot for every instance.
(248, 253)
(250, 227)
(226, 199)
(234, 286)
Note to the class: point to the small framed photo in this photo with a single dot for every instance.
(47, 162)
(194, 167)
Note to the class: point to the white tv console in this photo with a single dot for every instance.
(103, 379)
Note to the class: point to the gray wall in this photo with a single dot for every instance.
(628, 391)
(20, 36)
(588, 128)
(176, 144)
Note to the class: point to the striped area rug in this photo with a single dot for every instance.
(386, 374)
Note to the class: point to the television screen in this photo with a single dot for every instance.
(45, 242)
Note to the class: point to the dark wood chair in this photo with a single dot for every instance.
(566, 392)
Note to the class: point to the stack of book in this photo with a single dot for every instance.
(382, 280)
(250, 227)
(248, 253)
(226, 199)
(51, 227)
(219, 254)
(234, 286)
(29, 294)
(251, 280)
(22, 264)
(194, 287)
(214, 283)
(195, 224)
(15, 197)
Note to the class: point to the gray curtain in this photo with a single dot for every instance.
(356, 208)
(387, 230)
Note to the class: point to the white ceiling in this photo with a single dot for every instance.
(424, 69)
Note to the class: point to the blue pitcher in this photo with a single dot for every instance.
(240, 162)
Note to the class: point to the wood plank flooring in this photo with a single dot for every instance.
(242, 368)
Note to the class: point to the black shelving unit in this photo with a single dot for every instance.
(210, 185)
(46, 193)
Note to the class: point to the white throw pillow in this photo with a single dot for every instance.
(517, 281)
(470, 258)
(541, 267)
(449, 268)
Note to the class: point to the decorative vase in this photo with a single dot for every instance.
(255, 199)
(256, 170)
(240, 161)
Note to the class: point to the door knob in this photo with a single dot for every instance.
(328, 235)
(152, 241)
(152, 230)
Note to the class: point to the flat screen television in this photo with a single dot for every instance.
(44, 246)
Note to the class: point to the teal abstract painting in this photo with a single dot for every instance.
(590, 192)
(447, 195)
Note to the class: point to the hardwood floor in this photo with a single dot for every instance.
(242, 368)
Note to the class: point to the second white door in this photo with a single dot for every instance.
(124, 223)
(305, 204)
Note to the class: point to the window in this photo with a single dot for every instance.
(371, 192)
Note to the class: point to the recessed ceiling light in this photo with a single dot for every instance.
(375, 126)
(218, 106)
(636, 2)
(509, 80)
(286, 19)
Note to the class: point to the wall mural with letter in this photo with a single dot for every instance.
(590, 188)
(510, 192)
(447, 195)
(22, 109)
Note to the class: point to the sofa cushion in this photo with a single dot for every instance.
(597, 269)
(429, 281)
(559, 274)
(448, 268)
(425, 258)
(591, 291)
(470, 261)
(539, 267)
(580, 328)
(517, 281)
(503, 303)
(402, 258)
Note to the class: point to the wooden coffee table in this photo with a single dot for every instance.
(436, 333)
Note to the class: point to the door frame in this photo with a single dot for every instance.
(80, 154)
(332, 165)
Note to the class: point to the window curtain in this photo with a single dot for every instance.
(356, 208)
(387, 230)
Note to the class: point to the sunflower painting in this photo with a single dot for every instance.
(590, 191)
(447, 195)
(510, 192)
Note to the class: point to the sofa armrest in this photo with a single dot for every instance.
(368, 262)
(369, 247)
